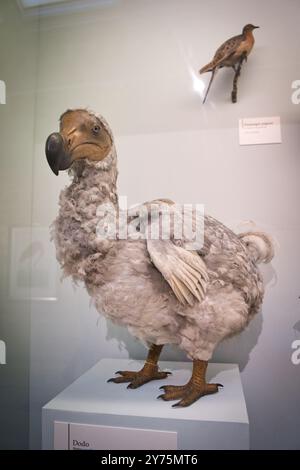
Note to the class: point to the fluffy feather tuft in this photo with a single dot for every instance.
(260, 246)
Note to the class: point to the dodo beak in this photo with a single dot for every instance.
(58, 156)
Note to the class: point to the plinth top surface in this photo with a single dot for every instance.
(91, 393)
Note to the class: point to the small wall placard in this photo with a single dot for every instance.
(262, 130)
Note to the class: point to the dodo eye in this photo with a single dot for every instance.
(96, 129)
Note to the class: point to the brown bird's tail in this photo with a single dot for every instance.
(259, 244)
(213, 73)
(207, 68)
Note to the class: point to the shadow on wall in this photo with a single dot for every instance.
(238, 348)
(233, 350)
(138, 351)
(296, 327)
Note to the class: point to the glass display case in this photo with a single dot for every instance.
(137, 63)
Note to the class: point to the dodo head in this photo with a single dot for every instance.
(248, 28)
(82, 134)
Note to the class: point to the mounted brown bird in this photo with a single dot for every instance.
(231, 53)
(162, 289)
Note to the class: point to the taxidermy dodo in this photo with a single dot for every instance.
(160, 289)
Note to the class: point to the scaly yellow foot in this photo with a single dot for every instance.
(188, 393)
(193, 390)
(136, 379)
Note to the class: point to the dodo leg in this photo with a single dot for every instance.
(193, 390)
(146, 374)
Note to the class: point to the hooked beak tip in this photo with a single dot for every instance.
(58, 158)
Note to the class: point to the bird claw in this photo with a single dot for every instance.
(110, 380)
(136, 379)
(131, 385)
(188, 393)
(177, 405)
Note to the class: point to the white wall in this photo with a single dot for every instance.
(136, 63)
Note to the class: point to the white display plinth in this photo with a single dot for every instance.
(117, 418)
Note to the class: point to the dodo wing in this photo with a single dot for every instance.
(184, 270)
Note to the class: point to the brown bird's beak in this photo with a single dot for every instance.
(256, 27)
(57, 155)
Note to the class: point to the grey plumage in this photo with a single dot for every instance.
(132, 282)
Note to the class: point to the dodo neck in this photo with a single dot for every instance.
(98, 178)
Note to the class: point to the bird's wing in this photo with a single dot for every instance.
(184, 270)
(180, 265)
(227, 49)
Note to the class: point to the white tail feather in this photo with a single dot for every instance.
(259, 244)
